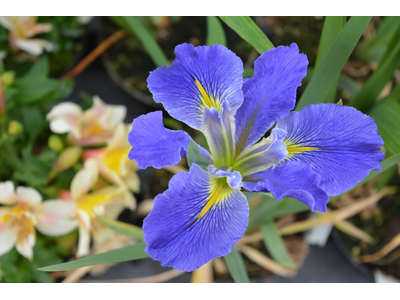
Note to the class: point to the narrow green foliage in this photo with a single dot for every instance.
(133, 25)
(132, 252)
(395, 94)
(332, 27)
(40, 68)
(234, 262)
(386, 164)
(123, 228)
(366, 97)
(215, 32)
(250, 32)
(275, 245)
(374, 48)
(330, 67)
(194, 156)
(269, 208)
(386, 115)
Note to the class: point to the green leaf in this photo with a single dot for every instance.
(386, 164)
(215, 32)
(386, 114)
(194, 156)
(349, 85)
(40, 68)
(396, 93)
(247, 73)
(33, 120)
(275, 245)
(374, 48)
(330, 31)
(269, 208)
(332, 27)
(249, 195)
(132, 252)
(340, 102)
(234, 262)
(123, 228)
(366, 97)
(133, 25)
(250, 32)
(33, 89)
(330, 67)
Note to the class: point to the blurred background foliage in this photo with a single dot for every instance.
(355, 60)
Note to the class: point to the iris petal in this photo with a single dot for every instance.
(199, 76)
(270, 94)
(155, 146)
(292, 179)
(219, 130)
(341, 143)
(184, 232)
(263, 155)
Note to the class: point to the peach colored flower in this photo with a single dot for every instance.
(94, 126)
(22, 29)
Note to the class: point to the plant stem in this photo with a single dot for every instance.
(94, 54)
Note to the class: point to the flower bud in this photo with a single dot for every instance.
(66, 160)
(15, 128)
(7, 78)
(55, 143)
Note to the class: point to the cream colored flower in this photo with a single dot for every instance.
(22, 29)
(88, 204)
(17, 222)
(94, 126)
(113, 161)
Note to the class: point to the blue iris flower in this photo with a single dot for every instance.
(321, 151)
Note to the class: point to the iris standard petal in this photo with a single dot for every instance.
(196, 220)
(263, 155)
(219, 130)
(155, 146)
(292, 179)
(199, 76)
(341, 143)
(270, 94)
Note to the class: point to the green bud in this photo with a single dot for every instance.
(8, 78)
(15, 128)
(55, 143)
(66, 160)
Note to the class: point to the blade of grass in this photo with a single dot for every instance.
(333, 62)
(396, 93)
(332, 27)
(374, 48)
(249, 31)
(215, 32)
(133, 25)
(132, 252)
(368, 94)
(123, 228)
(386, 115)
(275, 245)
(234, 262)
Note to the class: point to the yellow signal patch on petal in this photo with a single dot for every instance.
(206, 99)
(295, 149)
(219, 191)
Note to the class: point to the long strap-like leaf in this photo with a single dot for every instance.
(332, 64)
(250, 32)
